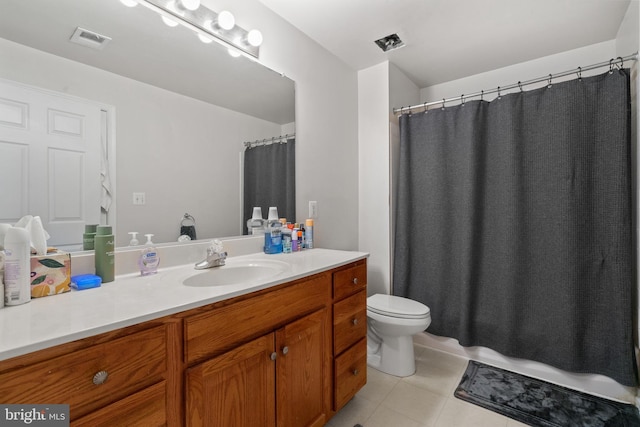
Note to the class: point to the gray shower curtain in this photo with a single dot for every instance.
(269, 180)
(514, 224)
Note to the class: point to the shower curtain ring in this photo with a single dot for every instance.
(611, 66)
(549, 85)
(443, 101)
(620, 64)
(580, 73)
(482, 95)
(426, 108)
(462, 99)
(499, 96)
(520, 85)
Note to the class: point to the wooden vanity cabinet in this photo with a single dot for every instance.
(110, 374)
(349, 332)
(280, 378)
(287, 356)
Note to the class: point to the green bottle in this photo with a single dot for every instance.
(104, 254)
(88, 237)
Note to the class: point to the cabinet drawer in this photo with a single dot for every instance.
(131, 363)
(350, 372)
(221, 329)
(349, 321)
(349, 280)
(146, 408)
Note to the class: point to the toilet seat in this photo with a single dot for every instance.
(395, 306)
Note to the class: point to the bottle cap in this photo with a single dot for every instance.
(103, 230)
(257, 212)
(309, 222)
(273, 213)
(90, 228)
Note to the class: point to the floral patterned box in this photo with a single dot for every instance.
(50, 274)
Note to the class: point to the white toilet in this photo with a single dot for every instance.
(391, 322)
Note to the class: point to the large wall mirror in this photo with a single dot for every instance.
(181, 109)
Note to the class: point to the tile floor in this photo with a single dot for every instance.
(424, 399)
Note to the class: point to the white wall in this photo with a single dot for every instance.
(373, 166)
(524, 71)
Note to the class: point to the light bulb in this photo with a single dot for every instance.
(234, 52)
(254, 38)
(129, 3)
(169, 22)
(190, 4)
(226, 20)
(204, 39)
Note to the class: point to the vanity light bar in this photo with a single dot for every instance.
(197, 20)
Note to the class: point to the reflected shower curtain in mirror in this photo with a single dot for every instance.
(269, 180)
(514, 224)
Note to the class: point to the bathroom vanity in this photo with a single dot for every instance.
(289, 350)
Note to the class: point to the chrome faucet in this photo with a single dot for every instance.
(216, 257)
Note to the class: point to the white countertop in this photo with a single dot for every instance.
(132, 299)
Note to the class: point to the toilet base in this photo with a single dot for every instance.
(394, 356)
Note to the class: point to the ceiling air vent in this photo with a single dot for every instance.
(392, 41)
(89, 39)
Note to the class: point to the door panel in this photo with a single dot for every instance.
(50, 149)
(235, 388)
(300, 368)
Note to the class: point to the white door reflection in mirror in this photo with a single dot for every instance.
(50, 150)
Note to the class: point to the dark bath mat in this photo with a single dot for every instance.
(539, 403)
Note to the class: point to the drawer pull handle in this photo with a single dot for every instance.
(355, 280)
(100, 377)
(274, 355)
(285, 350)
(356, 372)
(355, 321)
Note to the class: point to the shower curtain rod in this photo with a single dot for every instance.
(267, 141)
(462, 98)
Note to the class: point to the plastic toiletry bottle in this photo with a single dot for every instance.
(255, 224)
(17, 267)
(149, 258)
(286, 240)
(294, 239)
(134, 238)
(273, 233)
(104, 254)
(88, 238)
(300, 237)
(309, 233)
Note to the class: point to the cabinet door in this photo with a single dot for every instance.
(235, 388)
(301, 371)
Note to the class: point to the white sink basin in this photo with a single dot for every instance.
(234, 273)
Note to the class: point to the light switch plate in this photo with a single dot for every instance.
(139, 199)
(313, 209)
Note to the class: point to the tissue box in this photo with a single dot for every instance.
(50, 274)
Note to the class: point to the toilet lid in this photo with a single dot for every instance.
(394, 306)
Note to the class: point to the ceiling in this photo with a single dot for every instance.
(451, 39)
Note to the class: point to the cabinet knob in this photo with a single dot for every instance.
(356, 372)
(274, 355)
(355, 321)
(355, 280)
(285, 350)
(100, 377)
